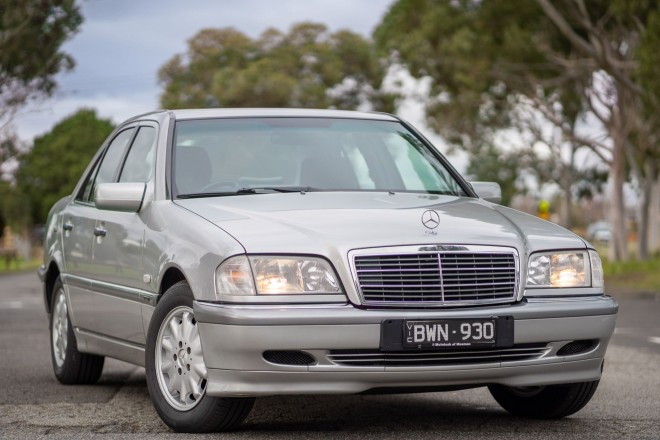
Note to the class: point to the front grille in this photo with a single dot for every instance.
(439, 278)
(375, 358)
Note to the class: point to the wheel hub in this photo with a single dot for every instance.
(60, 328)
(180, 365)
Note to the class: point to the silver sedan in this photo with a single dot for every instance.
(253, 252)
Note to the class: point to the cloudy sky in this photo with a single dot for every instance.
(122, 44)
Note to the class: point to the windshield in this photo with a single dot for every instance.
(238, 156)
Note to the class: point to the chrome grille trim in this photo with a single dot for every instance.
(435, 275)
(375, 358)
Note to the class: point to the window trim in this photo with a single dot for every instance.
(172, 195)
(140, 124)
(92, 173)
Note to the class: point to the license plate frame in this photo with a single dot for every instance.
(394, 333)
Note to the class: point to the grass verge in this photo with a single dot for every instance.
(18, 265)
(633, 276)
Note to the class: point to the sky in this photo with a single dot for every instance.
(122, 44)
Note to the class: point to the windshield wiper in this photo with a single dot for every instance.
(243, 191)
(205, 194)
(269, 189)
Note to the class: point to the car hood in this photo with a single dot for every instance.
(336, 222)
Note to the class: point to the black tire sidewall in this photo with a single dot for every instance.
(552, 402)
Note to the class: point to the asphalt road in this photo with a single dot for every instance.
(33, 404)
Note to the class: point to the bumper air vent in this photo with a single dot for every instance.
(576, 347)
(288, 357)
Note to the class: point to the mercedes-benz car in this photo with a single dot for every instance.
(238, 253)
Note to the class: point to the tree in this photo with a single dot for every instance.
(490, 164)
(306, 67)
(51, 169)
(486, 77)
(31, 34)
(560, 60)
(620, 39)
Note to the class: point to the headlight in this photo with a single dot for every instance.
(275, 275)
(559, 269)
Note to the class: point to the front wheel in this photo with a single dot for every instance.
(176, 373)
(545, 402)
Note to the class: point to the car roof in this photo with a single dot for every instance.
(277, 112)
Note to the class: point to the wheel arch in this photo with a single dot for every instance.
(52, 273)
(170, 277)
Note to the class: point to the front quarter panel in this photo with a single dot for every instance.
(176, 237)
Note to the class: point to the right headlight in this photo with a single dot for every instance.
(565, 269)
(276, 275)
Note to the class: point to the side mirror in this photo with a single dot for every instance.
(120, 196)
(489, 191)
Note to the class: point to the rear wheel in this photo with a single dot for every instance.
(176, 373)
(69, 365)
(546, 402)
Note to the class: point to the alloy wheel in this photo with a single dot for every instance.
(180, 368)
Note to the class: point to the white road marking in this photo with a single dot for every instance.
(12, 305)
(654, 339)
(19, 304)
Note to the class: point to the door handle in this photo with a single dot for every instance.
(67, 226)
(99, 231)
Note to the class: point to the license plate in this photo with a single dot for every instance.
(455, 333)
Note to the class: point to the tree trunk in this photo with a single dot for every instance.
(648, 211)
(618, 248)
(567, 180)
(654, 217)
(644, 215)
(566, 220)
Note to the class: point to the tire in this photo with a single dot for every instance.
(179, 366)
(70, 366)
(548, 402)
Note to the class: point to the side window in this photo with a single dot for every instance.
(83, 195)
(139, 162)
(109, 163)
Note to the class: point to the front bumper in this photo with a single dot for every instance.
(234, 338)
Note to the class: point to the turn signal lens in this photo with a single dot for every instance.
(234, 277)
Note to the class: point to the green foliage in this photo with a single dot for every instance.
(57, 160)
(307, 67)
(486, 58)
(472, 51)
(633, 276)
(31, 33)
(14, 208)
(489, 164)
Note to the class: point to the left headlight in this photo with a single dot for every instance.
(565, 269)
(276, 275)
